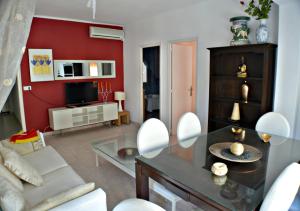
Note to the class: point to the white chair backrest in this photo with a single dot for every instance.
(153, 136)
(283, 191)
(188, 126)
(273, 123)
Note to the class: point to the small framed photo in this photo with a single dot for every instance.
(41, 65)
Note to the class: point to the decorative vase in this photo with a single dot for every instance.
(262, 32)
(235, 116)
(245, 92)
(240, 30)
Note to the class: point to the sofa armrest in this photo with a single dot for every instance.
(95, 200)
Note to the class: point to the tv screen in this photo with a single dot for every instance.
(81, 93)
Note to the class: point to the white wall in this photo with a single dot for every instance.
(287, 91)
(297, 120)
(208, 21)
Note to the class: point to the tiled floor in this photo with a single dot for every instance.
(75, 148)
(9, 125)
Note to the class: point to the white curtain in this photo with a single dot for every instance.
(15, 22)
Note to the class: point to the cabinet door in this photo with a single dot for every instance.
(62, 119)
(110, 111)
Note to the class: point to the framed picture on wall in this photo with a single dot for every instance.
(41, 65)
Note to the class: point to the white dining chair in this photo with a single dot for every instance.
(284, 190)
(273, 123)
(134, 204)
(188, 126)
(152, 138)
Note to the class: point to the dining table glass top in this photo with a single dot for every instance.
(189, 163)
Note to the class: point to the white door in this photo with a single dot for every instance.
(183, 81)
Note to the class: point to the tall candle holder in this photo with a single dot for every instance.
(104, 93)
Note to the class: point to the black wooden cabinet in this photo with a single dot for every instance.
(225, 86)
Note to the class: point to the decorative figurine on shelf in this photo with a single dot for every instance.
(243, 69)
(105, 92)
(239, 133)
(245, 92)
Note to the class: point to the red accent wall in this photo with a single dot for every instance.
(68, 41)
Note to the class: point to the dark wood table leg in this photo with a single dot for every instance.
(142, 183)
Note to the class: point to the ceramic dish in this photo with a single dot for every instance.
(222, 150)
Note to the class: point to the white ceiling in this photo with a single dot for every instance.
(118, 12)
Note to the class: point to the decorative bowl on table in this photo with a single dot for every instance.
(128, 153)
(222, 150)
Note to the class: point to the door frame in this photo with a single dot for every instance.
(170, 43)
(148, 45)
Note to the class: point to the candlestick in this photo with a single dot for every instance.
(104, 93)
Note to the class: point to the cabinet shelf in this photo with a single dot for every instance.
(95, 112)
(79, 114)
(76, 124)
(228, 122)
(232, 100)
(229, 77)
(92, 121)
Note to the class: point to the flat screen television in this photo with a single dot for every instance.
(81, 93)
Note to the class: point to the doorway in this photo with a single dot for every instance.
(10, 117)
(183, 80)
(151, 82)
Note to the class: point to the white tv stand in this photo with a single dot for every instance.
(63, 118)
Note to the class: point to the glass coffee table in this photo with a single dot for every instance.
(120, 151)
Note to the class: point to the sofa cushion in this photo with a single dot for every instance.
(10, 197)
(45, 160)
(4, 172)
(20, 167)
(22, 149)
(64, 197)
(95, 200)
(55, 182)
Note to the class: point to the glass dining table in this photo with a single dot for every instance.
(184, 167)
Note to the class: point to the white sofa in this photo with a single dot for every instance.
(59, 177)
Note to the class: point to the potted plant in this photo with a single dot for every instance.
(260, 10)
